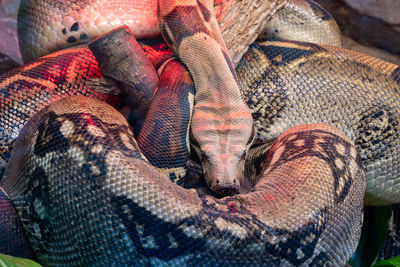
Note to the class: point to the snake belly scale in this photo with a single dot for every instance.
(76, 161)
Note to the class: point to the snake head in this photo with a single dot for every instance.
(221, 178)
(224, 170)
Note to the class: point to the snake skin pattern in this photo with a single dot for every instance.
(27, 89)
(80, 150)
(172, 102)
(299, 83)
(303, 20)
(191, 30)
(221, 126)
(12, 239)
(79, 21)
(128, 213)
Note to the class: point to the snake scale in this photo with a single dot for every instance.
(86, 195)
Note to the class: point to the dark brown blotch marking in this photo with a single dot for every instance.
(72, 39)
(50, 138)
(330, 141)
(378, 130)
(276, 100)
(287, 55)
(74, 27)
(64, 31)
(83, 36)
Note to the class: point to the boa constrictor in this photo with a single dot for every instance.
(86, 195)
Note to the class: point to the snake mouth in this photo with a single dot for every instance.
(222, 189)
(220, 185)
(226, 191)
(195, 179)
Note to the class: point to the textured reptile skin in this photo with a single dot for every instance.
(303, 20)
(164, 138)
(12, 237)
(70, 72)
(219, 222)
(191, 30)
(75, 22)
(221, 126)
(81, 150)
(289, 83)
(128, 213)
(27, 89)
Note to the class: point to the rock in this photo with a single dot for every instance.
(9, 49)
(386, 10)
(371, 23)
(9, 39)
(7, 63)
(349, 43)
(9, 8)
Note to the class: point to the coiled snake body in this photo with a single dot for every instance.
(86, 195)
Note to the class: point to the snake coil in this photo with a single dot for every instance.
(85, 194)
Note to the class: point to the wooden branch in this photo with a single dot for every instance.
(122, 60)
(241, 21)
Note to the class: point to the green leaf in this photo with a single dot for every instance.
(389, 262)
(9, 261)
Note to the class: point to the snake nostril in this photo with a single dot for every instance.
(217, 181)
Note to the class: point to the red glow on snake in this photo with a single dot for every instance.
(232, 207)
(88, 119)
